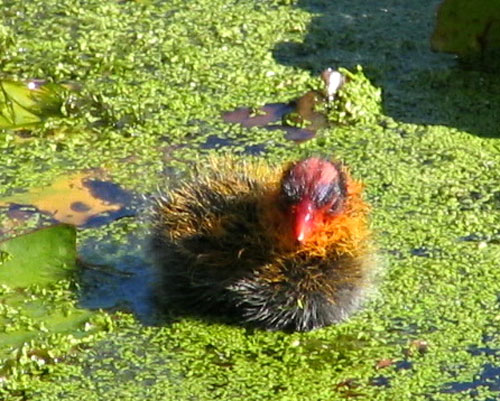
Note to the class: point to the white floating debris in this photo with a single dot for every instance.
(333, 81)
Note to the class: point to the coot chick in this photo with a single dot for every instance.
(284, 248)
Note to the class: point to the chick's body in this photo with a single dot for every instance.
(222, 245)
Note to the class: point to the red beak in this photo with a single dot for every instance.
(303, 220)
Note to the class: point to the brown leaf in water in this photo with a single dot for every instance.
(384, 363)
(73, 199)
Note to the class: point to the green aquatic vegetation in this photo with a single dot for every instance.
(157, 76)
(358, 101)
(40, 322)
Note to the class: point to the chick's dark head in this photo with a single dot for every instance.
(312, 191)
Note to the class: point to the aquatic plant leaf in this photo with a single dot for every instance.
(470, 29)
(39, 257)
(304, 114)
(298, 118)
(23, 104)
(80, 199)
(266, 114)
(39, 317)
(14, 105)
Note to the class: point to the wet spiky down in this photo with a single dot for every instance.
(283, 248)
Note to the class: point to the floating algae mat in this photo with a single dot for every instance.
(419, 132)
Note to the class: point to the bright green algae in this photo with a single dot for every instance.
(156, 76)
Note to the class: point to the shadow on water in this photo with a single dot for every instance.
(121, 276)
(216, 142)
(391, 40)
(488, 378)
(118, 277)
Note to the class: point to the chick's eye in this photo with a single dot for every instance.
(326, 194)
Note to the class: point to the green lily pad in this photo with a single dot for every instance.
(41, 257)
